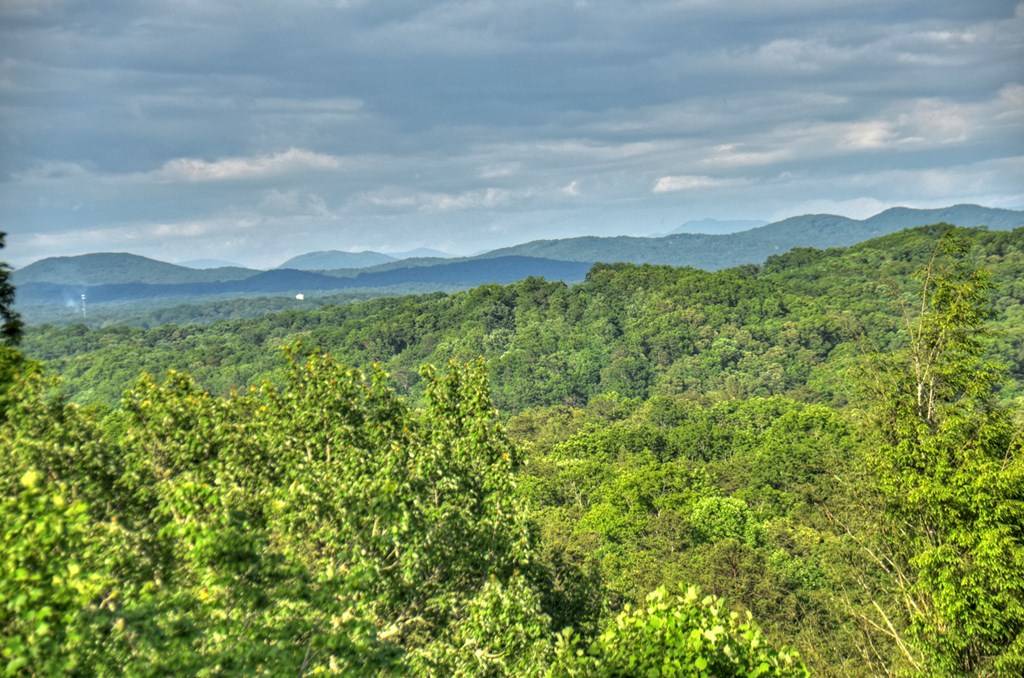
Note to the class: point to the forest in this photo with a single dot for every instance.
(813, 466)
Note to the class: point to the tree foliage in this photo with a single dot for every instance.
(950, 468)
(10, 322)
(662, 430)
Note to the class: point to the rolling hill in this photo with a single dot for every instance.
(209, 263)
(119, 268)
(420, 253)
(718, 226)
(713, 252)
(329, 259)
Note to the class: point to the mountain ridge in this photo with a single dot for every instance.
(465, 273)
(701, 250)
(754, 246)
(322, 260)
(119, 267)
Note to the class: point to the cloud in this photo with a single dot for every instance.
(500, 170)
(239, 168)
(487, 198)
(689, 182)
(738, 155)
(395, 125)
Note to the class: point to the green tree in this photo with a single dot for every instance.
(950, 469)
(10, 321)
(677, 635)
(319, 526)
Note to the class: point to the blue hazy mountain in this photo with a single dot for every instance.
(712, 252)
(330, 259)
(120, 267)
(463, 273)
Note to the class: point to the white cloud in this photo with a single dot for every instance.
(500, 170)
(251, 167)
(801, 56)
(867, 134)
(486, 198)
(737, 155)
(689, 182)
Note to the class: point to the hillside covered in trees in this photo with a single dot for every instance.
(812, 466)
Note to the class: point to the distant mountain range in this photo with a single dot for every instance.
(420, 253)
(334, 260)
(718, 226)
(124, 276)
(328, 259)
(755, 245)
(209, 263)
(120, 267)
(464, 273)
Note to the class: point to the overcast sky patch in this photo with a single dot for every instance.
(255, 131)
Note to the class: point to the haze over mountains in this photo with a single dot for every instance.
(120, 276)
(717, 226)
(209, 263)
(328, 259)
(331, 260)
(458, 274)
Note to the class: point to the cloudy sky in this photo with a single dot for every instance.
(253, 131)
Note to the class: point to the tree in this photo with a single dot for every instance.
(950, 468)
(319, 526)
(10, 329)
(677, 635)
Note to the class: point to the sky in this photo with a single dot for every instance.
(253, 131)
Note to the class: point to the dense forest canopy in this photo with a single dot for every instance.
(811, 466)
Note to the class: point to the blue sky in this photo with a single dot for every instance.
(253, 131)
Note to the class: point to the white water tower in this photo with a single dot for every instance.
(300, 296)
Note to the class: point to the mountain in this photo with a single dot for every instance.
(118, 268)
(465, 273)
(209, 263)
(701, 250)
(714, 252)
(392, 265)
(718, 226)
(420, 253)
(328, 259)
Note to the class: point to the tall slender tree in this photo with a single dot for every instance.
(950, 469)
(10, 329)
